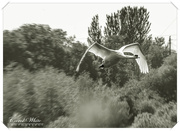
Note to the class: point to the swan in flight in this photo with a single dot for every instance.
(111, 57)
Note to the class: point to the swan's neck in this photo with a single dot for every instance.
(122, 55)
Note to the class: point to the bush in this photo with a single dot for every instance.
(165, 117)
(99, 114)
(147, 106)
(140, 99)
(60, 101)
(45, 94)
(143, 121)
(13, 83)
(164, 79)
(100, 107)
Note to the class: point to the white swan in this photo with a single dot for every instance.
(111, 57)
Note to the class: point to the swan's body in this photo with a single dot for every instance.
(111, 57)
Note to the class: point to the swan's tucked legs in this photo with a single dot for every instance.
(101, 66)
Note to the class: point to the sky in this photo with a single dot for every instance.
(76, 18)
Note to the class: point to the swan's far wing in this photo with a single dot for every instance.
(141, 60)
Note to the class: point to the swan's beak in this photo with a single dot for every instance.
(136, 56)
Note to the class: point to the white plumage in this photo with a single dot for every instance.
(111, 57)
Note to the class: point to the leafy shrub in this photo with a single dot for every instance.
(168, 112)
(60, 101)
(155, 55)
(165, 117)
(45, 94)
(99, 114)
(164, 79)
(140, 99)
(146, 106)
(100, 106)
(143, 121)
(13, 83)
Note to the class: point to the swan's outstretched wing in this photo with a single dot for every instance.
(141, 60)
(98, 50)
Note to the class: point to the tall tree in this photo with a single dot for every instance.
(135, 24)
(39, 42)
(113, 39)
(129, 22)
(113, 24)
(94, 31)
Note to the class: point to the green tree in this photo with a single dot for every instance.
(94, 31)
(14, 46)
(134, 23)
(113, 38)
(113, 24)
(59, 37)
(154, 51)
(131, 23)
(39, 42)
(36, 46)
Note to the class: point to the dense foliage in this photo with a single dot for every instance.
(40, 79)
